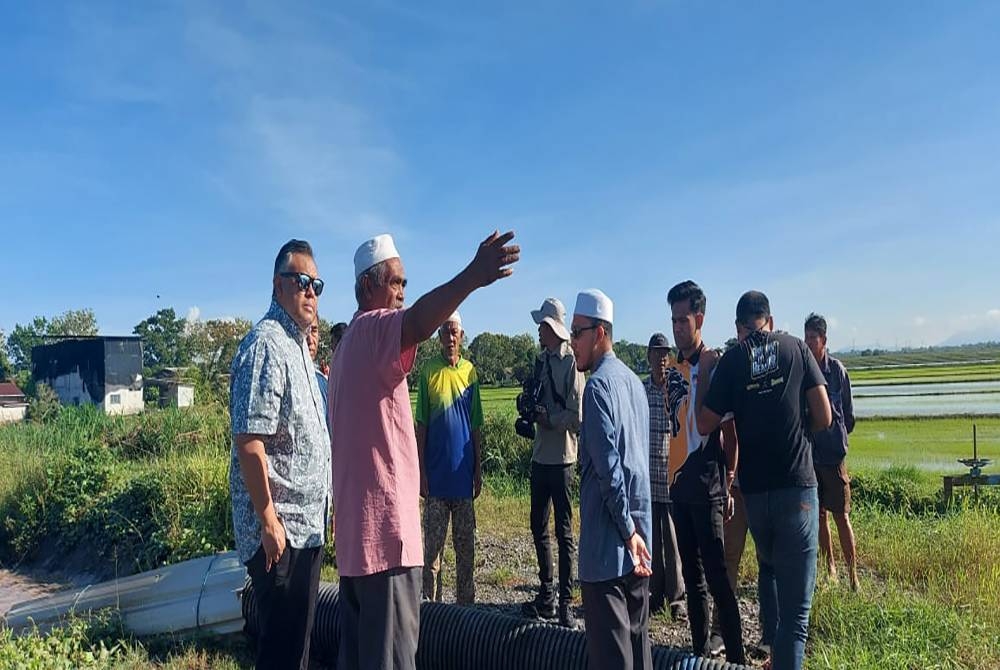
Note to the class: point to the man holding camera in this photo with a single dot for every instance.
(556, 420)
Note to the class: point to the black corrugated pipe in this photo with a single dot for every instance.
(465, 638)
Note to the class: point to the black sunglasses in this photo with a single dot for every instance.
(304, 281)
(575, 333)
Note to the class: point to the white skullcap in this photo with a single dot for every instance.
(374, 251)
(456, 317)
(595, 304)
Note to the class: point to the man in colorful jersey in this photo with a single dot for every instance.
(666, 586)
(768, 382)
(829, 452)
(376, 469)
(449, 418)
(699, 479)
(615, 512)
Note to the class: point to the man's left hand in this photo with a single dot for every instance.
(640, 555)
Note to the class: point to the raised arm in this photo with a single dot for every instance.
(492, 262)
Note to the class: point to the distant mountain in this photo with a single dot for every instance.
(989, 333)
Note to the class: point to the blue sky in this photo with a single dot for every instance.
(841, 157)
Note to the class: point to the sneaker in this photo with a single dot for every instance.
(539, 609)
(678, 612)
(716, 647)
(566, 618)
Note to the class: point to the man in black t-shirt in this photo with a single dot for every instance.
(775, 389)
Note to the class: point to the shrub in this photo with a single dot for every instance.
(44, 405)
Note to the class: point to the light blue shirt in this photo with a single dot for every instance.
(614, 466)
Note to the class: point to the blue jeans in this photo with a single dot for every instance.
(785, 527)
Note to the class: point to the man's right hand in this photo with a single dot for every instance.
(640, 555)
(493, 258)
(272, 537)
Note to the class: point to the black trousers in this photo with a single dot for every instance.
(286, 603)
(380, 620)
(551, 483)
(666, 586)
(703, 563)
(616, 615)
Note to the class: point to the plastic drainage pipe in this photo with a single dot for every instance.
(464, 638)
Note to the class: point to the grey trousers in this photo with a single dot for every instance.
(666, 586)
(616, 614)
(380, 620)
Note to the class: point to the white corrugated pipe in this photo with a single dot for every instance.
(200, 594)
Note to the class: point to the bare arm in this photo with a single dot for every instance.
(731, 451)
(253, 469)
(819, 408)
(707, 420)
(477, 467)
(492, 262)
(847, 402)
(421, 445)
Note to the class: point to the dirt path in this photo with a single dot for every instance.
(16, 587)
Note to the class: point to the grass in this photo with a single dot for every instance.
(932, 445)
(931, 582)
(926, 375)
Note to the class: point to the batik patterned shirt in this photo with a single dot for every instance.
(274, 394)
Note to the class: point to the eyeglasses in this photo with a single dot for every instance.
(575, 333)
(304, 281)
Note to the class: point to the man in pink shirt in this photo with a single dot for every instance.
(376, 471)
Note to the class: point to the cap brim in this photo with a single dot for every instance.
(558, 328)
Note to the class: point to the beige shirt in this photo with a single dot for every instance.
(557, 445)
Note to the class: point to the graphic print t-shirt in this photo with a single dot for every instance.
(763, 381)
(448, 404)
(695, 465)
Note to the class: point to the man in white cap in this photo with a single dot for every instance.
(376, 470)
(449, 416)
(553, 458)
(615, 508)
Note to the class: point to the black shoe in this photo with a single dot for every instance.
(539, 609)
(566, 618)
(678, 612)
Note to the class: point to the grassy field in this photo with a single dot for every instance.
(926, 375)
(931, 579)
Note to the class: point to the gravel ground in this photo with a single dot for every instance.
(507, 575)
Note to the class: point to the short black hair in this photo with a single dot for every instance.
(337, 330)
(688, 290)
(753, 305)
(606, 325)
(816, 323)
(287, 249)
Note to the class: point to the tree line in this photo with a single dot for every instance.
(205, 349)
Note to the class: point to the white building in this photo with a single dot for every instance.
(103, 371)
(13, 403)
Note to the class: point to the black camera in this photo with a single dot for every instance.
(527, 406)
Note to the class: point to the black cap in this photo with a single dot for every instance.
(659, 341)
(753, 305)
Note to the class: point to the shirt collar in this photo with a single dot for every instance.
(824, 365)
(694, 358)
(445, 360)
(560, 353)
(278, 313)
(600, 361)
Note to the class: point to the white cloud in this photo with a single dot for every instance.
(193, 314)
(993, 314)
(919, 321)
